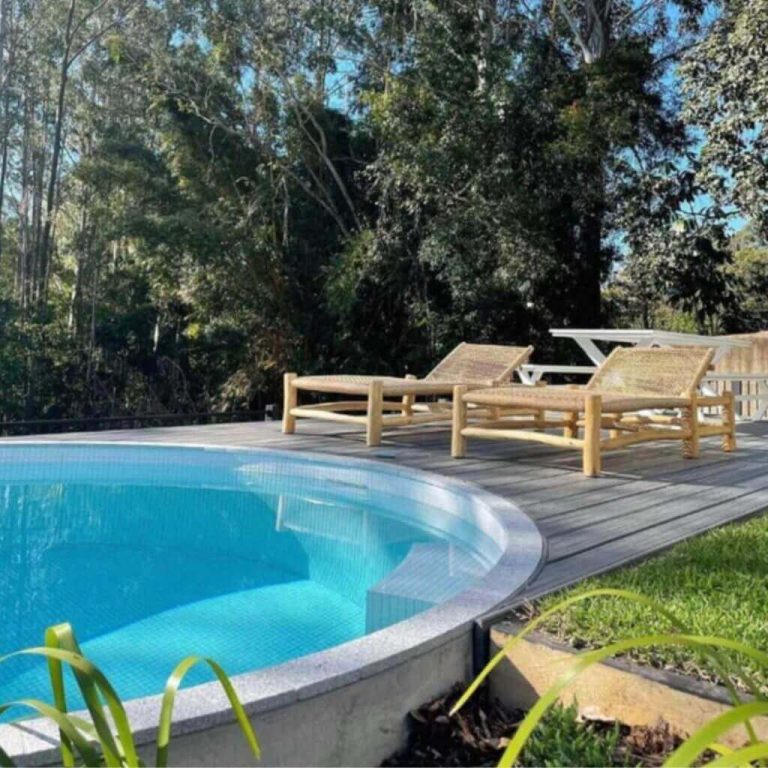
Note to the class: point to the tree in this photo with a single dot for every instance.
(725, 86)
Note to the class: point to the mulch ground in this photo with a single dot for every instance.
(478, 734)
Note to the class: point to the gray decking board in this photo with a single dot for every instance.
(647, 499)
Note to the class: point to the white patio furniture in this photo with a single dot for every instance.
(586, 338)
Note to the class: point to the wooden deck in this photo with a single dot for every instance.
(647, 498)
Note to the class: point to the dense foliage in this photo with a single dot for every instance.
(198, 194)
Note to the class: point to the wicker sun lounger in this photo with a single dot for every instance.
(631, 382)
(472, 365)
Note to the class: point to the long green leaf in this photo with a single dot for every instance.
(92, 672)
(62, 636)
(587, 659)
(169, 698)
(89, 755)
(537, 621)
(703, 739)
(56, 675)
(744, 756)
(722, 664)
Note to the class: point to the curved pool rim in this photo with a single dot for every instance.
(205, 706)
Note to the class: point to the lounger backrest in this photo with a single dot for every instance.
(480, 363)
(671, 371)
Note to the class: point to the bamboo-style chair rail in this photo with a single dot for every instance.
(630, 382)
(473, 365)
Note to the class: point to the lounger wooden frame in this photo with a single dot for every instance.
(583, 423)
(392, 402)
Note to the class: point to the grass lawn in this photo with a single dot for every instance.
(717, 584)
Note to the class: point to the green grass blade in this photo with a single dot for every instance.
(89, 755)
(169, 698)
(587, 659)
(744, 756)
(704, 738)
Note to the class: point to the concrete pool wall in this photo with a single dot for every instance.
(346, 705)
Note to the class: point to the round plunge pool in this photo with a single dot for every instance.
(250, 557)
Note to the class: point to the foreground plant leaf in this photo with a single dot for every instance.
(94, 742)
(169, 698)
(724, 666)
(87, 752)
(91, 682)
(585, 660)
(705, 737)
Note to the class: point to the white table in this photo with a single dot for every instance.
(586, 338)
(641, 337)
(532, 374)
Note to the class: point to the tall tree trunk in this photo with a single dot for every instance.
(50, 202)
(485, 21)
(25, 244)
(6, 69)
(593, 33)
(3, 172)
(588, 289)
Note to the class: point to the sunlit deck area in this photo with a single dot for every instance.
(647, 498)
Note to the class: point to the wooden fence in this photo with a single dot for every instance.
(752, 363)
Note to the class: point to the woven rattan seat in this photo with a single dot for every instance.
(567, 399)
(391, 385)
(630, 383)
(391, 400)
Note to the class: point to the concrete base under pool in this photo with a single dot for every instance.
(359, 724)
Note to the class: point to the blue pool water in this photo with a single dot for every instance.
(252, 558)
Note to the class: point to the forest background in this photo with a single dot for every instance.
(196, 195)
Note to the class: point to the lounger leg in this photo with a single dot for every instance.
(690, 424)
(290, 401)
(729, 422)
(407, 409)
(458, 441)
(592, 423)
(375, 413)
(539, 415)
(571, 428)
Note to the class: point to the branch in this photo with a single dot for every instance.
(317, 198)
(574, 27)
(86, 17)
(97, 35)
(296, 105)
(636, 12)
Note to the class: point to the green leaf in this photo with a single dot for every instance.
(89, 755)
(587, 659)
(93, 674)
(744, 756)
(722, 663)
(169, 698)
(705, 737)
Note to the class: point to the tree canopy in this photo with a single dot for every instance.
(196, 195)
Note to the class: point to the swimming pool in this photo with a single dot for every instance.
(251, 557)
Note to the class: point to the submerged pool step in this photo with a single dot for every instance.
(430, 574)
